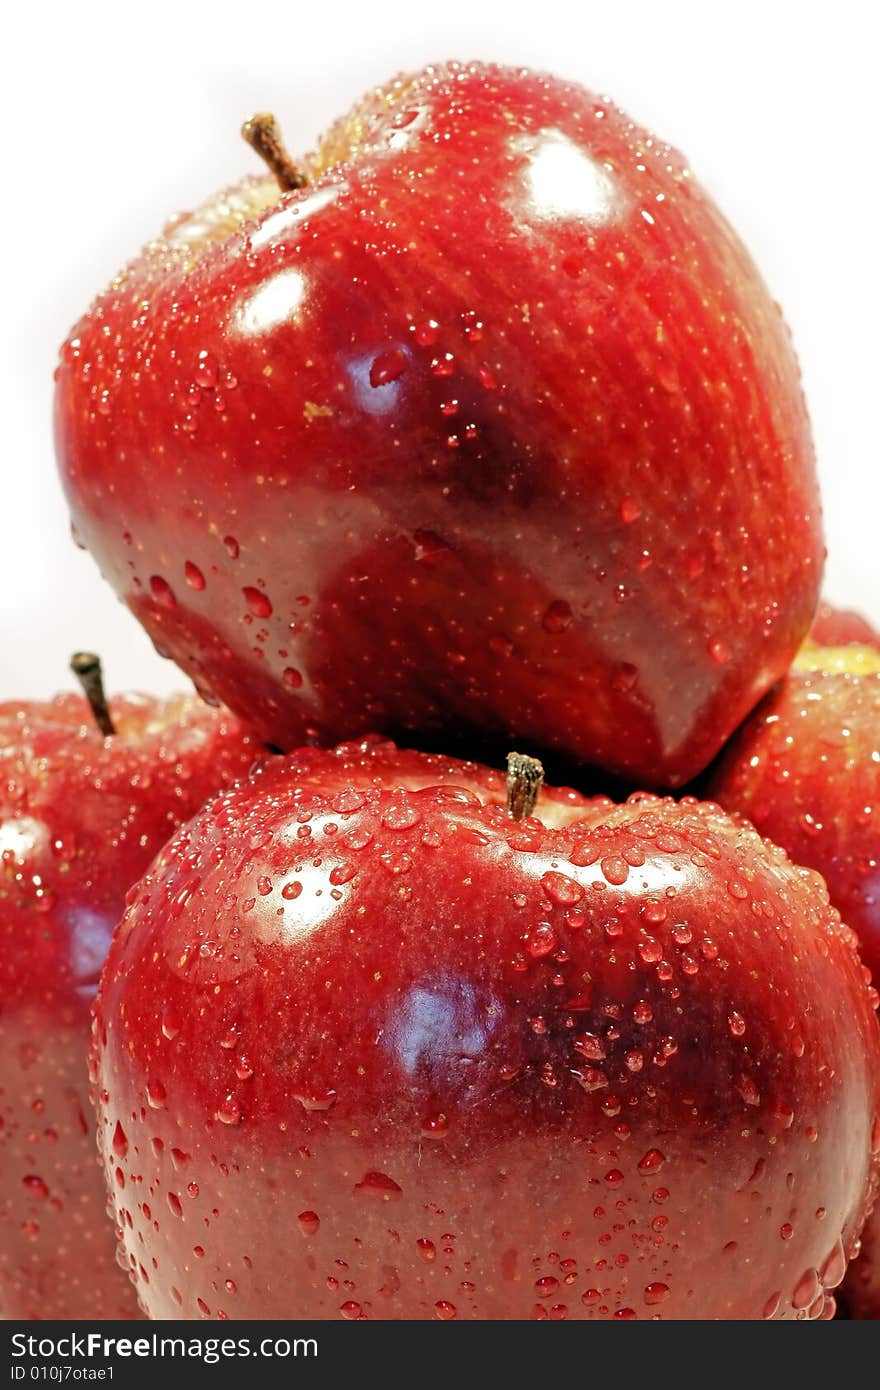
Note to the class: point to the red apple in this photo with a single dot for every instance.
(81, 816)
(367, 1046)
(806, 770)
(491, 429)
(842, 627)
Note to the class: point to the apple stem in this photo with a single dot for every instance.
(262, 134)
(86, 666)
(524, 778)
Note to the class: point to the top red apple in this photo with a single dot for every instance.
(491, 428)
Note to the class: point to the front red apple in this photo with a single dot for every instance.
(368, 1047)
(491, 429)
(80, 818)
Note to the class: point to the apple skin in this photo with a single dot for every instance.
(363, 1051)
(842, 627)
(805, 769)
(861, 1290)
(81, 817)
(492, 431)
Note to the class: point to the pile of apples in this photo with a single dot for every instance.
(478, 430)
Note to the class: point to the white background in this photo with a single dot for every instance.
(114, 116)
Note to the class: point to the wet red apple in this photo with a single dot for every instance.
(81, 815)
(842, 627)
(367, 1045)
(805, 769)
(486, 427)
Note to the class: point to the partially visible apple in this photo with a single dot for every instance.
(805, 769)
(368, 1046)
(842, 627)
(81, 816)
(489, 430)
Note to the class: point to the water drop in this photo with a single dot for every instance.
(388, 367)
(162, 591)
(155, 1094)
(316, 1101)
(378, 1185)
(194, 577)
(651, 1161)
(557, 617)
(258, 602)
(120, 1141)
(308, 1222)
(656, 1293)
(206, 371)
(229, 1111)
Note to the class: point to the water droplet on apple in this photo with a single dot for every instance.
(229, 1111)
(258, 602)
(206, 371)
(155, 1094)
(719, 651)
(652, 1161)
(806, 1289)
(387, 367)
(379, 1186)
(656, 1293)
(557, 617)
(309, 1222)
(194, 577)
(120, 1141)
(317, 1101)
(401, 816)
(834, 1266)
(426, 334)
(162, 591)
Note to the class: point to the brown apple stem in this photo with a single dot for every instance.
(262, 134)
(524, 778)
(86, 666)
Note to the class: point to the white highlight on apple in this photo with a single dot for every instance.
(565, 182)
(270, 305)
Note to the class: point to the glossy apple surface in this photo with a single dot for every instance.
(81, 817)
(367, 1047)
(806, 770)
(861, 1292)
(842, 627)
(491, 431)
